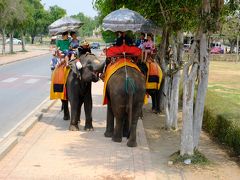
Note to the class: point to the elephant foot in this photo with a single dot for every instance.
(66, 117)
(132, 144)
(126, 134)
(117, 139)
(88, 128)
(73, 127)
(108, 134)
(154, 111)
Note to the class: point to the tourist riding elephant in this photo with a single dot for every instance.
(125, 91)
(79, 80)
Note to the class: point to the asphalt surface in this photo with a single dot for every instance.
(23, 86)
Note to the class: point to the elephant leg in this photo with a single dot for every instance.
(65, 108)
(126, 127)
(88, 110)
(154, 101)
(152, 94)
(75, 115)
(118, 130)
(110, 122)
(132, 138)
(158, 101)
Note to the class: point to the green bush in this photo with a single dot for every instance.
(221, 120)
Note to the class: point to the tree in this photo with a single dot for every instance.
(231, 30)
(6, 15)
(39, 19)
(17, 18)
(89, 24)
(175, 17)
(56, 12)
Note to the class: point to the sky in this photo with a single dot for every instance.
(73, 7)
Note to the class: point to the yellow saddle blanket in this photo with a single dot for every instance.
(111, 69)
(58, 83)
(154, 76)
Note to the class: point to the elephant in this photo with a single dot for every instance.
(124, 104)
(79, 83)
(154, 93)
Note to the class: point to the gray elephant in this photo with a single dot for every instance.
(124, 103)
(79, 80)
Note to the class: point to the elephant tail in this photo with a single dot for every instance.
(130, 109)
(130, 89)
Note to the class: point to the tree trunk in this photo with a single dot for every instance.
(23, 42)
(174, 100)
(232, 44)
(3, 42)
(162, 62)
(201, 90)
(32, 36)
(192, 118)
(187, 146)
(166, 100)
(189, 77)
(11, 43)
(41, 39)
(177, 60)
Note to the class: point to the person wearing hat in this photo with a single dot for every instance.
(84, 48)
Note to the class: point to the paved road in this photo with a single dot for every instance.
(23, 86)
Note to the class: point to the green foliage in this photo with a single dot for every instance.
(89, 24)
(56, 12)
(221, 120)
(108, 36)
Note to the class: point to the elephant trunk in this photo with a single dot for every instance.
(99, 67)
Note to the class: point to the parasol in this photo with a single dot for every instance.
(123, 20)
(150, 27)
(64, 24)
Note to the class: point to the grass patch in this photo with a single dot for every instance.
(197, 158)
(221, 119)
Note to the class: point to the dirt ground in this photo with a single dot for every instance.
(163, 143)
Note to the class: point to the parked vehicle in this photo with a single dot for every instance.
(15, 41)
(217, 50)
(95, 45)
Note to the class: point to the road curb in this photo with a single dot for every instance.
(11, 139)
(24, 58)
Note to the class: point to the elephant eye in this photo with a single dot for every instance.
(90, 67)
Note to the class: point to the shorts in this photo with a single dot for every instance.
(66, 52)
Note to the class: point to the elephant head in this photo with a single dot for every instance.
(88, 67)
